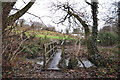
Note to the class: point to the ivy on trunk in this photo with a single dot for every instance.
(90, 38)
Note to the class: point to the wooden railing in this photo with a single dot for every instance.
(63, 47)
(49, 50)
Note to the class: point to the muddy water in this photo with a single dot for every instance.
(57, 57)
(86, 62)
(40, 63)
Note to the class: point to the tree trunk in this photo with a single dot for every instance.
(94, 7)
(118, 27)
(93, 52)
(7, 6)
(7, 20)
(10, 19)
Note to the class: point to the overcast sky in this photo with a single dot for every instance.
(41, 9)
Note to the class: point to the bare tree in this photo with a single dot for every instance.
(94, 55)
(94, 6)
(112, 18)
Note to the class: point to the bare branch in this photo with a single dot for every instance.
(88, 2)
(24, 1)
(14, 53)
(70, 11)
(33, 15)
(18, 14)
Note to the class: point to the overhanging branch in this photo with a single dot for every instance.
(88, 2)
(81, 21)
(21, 12)
(33, 15)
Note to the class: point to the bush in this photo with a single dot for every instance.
(73, 62)
(83, 42)
(31, 51)
(107, 38)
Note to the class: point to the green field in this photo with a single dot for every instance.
(44, 33)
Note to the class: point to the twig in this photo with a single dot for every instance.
(24, 1)
(5, 49)
(81, 60)
(33, 15)
(18, 48)
(18, 33)
(88, 3)
(18, 53)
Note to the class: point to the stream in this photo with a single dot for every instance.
(54, 63)
(57, 57)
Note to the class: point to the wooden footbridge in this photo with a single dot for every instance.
(50, 50)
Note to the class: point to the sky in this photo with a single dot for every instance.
(42, 9)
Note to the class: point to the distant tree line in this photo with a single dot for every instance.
(34, 25)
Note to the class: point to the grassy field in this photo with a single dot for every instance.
(44, 33)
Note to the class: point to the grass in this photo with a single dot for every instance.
(45, 33)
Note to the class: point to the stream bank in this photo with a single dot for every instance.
(54, 63)
(31, 69)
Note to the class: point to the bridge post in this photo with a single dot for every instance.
(53, 47)
(44, 56)
(63, 50)
(51, 51)
(63, 47)
(62, 62)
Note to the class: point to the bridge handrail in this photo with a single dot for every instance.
(52, 48)
(49, 43)
(62, 42)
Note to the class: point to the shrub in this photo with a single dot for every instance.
(31, 50)
(83, 42)
(73, 62)
(107, 38)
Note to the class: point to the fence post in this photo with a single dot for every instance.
(55, 45)
(62, 62)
